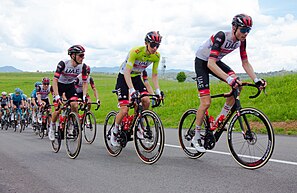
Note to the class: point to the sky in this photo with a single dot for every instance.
(35, 34)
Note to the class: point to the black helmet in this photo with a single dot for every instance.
(76, 49)
(153, 37)
(242, 20)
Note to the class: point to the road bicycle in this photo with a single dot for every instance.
(5, 119)
(250, 135)
(150, 148)
(43, 121)
(88, 121)
(69, 129)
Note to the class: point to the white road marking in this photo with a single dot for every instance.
(226, 153)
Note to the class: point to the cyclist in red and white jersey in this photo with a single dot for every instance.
(208, 61)
(129, 78)
(79, 87)
(63, 82)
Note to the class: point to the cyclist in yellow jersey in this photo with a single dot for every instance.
(129, 78)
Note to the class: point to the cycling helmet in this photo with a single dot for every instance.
(153, 37)
(45, 80)
(4, 93)
(76, 49)
(18, 90)
(242, 20)
(37, 84)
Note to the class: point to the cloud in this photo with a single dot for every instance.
(35, 35)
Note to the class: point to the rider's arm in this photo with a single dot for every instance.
(146, 82)
(55, 87)
(127, 75)
(92, 83)
(245, 62)
(84, 77)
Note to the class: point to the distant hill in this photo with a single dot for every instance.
(105, 69)
(9, 69)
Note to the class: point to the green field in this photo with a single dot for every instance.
(280, 103)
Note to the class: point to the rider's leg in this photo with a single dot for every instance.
(114, 131)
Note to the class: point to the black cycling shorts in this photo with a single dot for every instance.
(68, 89)
(123, 90)
(202, 74)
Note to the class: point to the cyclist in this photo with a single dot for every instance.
(208, 61)
(129, 78)
(34, 102)
(17, 102)
(79, 86)
(64, 79)
(4, 101)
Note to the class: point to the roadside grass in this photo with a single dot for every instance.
(280, 103)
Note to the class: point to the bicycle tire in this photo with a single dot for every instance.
(89, 127)
(40, 131)
(186, 131)
(251, 150)
(72, 133)
(149, 149)
(109, 123)
(56, 144)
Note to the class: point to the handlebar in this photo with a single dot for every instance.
(233, 90)
(83, 106)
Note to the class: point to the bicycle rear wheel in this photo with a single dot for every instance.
(109, 124)
(73, 135)
(250, 138)
(149, 149)
(186, 131)
(89, 127)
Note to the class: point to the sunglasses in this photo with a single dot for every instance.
(45, 83)
(154, 44)
(245, 30)
(81, 55)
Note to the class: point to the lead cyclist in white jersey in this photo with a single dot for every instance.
(208, 61)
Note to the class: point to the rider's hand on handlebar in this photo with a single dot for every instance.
(261, 83)
(58, 99)
(132, 94)
(98, 102)
(234, 82)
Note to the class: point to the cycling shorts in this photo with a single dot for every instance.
(202, 74)
(68, 89)
(123, 89)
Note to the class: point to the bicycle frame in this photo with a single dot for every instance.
(235, 108)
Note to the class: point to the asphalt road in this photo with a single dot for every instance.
(28, 165)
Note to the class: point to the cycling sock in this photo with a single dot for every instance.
(226, 108)
(197, 132)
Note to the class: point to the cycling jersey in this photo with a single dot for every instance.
(79, 83)
(220, 45)
(66, 73)
(16, 98)
(138, 60)
(33, 94)
(44, 92)
(4, 101)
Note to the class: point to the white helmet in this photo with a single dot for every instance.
(4, 93)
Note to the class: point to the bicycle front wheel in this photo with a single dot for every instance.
(89, 127)
(149, 148)
(56, 144)
(109, 124)
(72, 135)
(250, 138)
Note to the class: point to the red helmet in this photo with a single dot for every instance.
(242, 20)
(76, 49)
(45, 80)
(153, 37)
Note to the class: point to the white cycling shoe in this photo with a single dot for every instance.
(198, 145)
